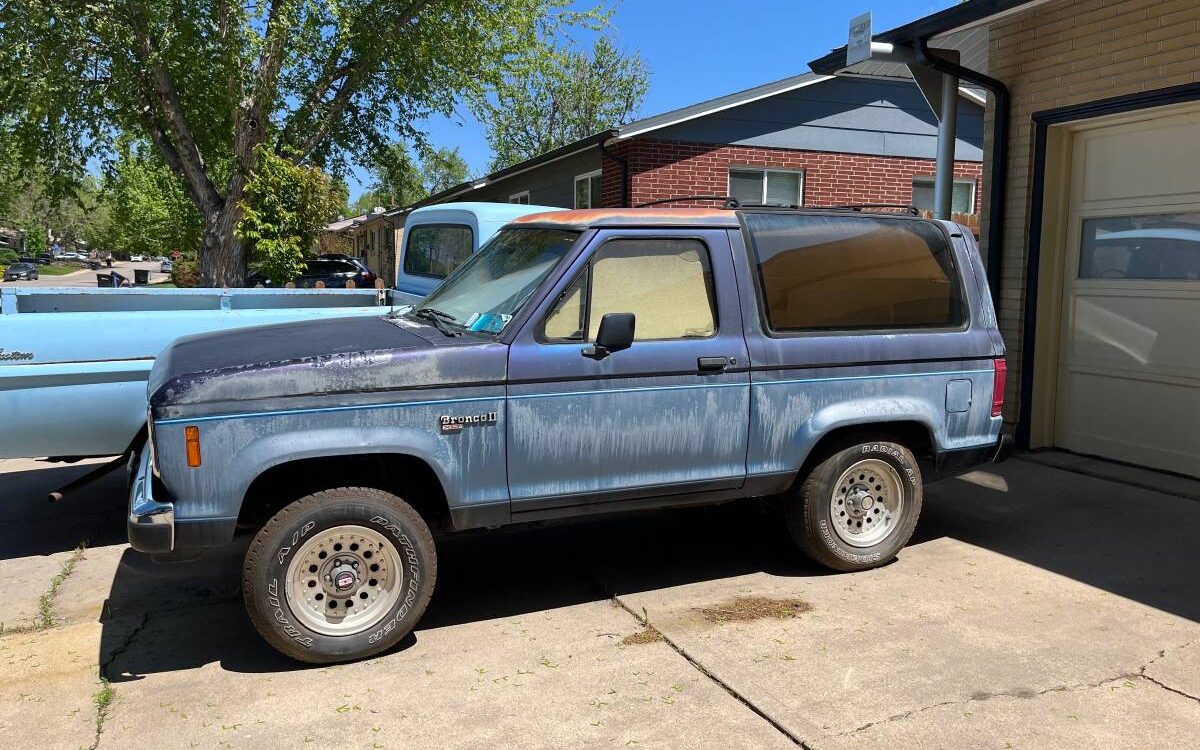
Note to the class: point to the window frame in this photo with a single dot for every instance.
(408, 234)
(515, 198)
(760, 296)
(587, 177)
(539, 334)
(932, 182)
(764, 172)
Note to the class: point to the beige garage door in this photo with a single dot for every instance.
(1129, 353)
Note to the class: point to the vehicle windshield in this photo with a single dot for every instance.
(485, 293)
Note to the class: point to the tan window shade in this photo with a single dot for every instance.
(667, 284)
(566, 322)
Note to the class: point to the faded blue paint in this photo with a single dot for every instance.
(570, 429)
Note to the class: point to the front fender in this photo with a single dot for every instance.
(470, 464)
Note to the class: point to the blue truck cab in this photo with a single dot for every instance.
(438, 238)
(827, 361)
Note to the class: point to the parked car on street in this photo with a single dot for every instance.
(137, 258)
(828, 362)
(333, 273)
(21, 272)
(69, 256)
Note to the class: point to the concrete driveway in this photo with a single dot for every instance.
(1037, 608)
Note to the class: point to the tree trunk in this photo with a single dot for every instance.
(222, 256)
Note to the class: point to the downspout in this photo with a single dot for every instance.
(999, 182)
(624, 162)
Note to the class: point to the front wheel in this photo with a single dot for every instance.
(339, 575)
(858, 507)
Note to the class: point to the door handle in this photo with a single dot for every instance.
(712, 364)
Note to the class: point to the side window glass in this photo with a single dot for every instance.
(436, 249)
(823, 273)
(566, 320)
(666, 283)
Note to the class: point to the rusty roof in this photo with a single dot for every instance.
(671, 216)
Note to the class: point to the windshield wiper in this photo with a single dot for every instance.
(440, 320)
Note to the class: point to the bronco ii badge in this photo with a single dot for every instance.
(455, 424)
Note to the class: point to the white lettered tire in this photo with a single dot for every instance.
(339, 575)
(858, 507)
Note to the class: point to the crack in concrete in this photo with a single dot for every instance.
(1030, 694)
(45, 619)
(982, 696)
(112, 655)
(698, 666)
(102, 700)
(1162, 654)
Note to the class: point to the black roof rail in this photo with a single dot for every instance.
(729, 202)
(859, 207)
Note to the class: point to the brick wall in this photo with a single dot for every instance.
(666, 169)
(1067, 53)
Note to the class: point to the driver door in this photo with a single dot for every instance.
(667, 416)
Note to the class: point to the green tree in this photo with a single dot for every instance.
(147, 210)
(286, 207)
(318, 82)
(442, 169)
(568, 95)
(35, 239)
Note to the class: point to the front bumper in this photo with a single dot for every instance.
(151, 523)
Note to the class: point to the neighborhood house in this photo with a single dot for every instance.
(1095, 250)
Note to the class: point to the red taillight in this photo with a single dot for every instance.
(999, 375)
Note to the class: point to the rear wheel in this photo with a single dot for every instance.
(340, 575)
(858, 507)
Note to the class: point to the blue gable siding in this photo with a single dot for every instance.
(848, 115)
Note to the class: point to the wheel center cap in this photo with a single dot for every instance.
(344, 581)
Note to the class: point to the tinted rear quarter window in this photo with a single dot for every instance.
(829, 273)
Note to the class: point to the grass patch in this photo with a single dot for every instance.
(46, 603)
(750, 608)
(648, 634)
(56, 270)
(102, 699)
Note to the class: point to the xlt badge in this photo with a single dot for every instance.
(455, 424)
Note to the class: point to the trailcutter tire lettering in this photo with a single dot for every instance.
(371, 541)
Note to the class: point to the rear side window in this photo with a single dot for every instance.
(822, 273)
(436, 249)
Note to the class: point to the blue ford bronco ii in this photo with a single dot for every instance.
(829, 361)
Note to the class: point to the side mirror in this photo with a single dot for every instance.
(615, 334)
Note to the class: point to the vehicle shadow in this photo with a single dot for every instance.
(32, 525)
(184, 615)
(1133, 543)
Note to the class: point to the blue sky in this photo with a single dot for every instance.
(700, 49)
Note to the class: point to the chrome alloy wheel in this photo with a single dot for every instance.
(344, 580)
(867, 503)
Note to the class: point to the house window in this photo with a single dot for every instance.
(963, 201)
(521, 197)
(766, 187)
(587, 190)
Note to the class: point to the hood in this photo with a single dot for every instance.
(347, 360)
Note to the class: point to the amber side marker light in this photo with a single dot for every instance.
(191, 436)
